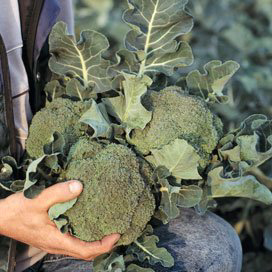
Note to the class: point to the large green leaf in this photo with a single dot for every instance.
(136, 268)
(156, 24)
(75, 89)
(251, 142)
(189, 196)
(125, 61)
(145, 248)
(173, 197)
(211, 84)
(97, 118)
(71, 88)
(242, 186)
(82, 59)
(249, 148)
(43, 169)
(54, 90)
(127, 108)
(179, 157)
(112, 262)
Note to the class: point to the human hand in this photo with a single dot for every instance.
(27, 220)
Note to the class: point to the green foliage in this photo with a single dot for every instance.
(153, 34)
(243, 186)
(145, 248)
(179, 157)
(82, 60)
(211, 84)
(118, 120)
(97, 118)
(128, 108)
(173, 197)
(109, 263)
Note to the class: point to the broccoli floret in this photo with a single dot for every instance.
(115, 198)
(61, 115)
(84, 148)
(178, 115)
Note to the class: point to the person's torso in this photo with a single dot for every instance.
(37, 18)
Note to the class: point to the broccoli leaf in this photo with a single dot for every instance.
(233, 154)
(96, 117)
(173, 197)
(243, 186)
(251, 142)
(71, 88)
(112, 262)
(179, 157)
(12, 185)
(155, 25)
(56, 145)
(136, 268)
(126, 61)
(8, 169)
(35, 173)
(81, 60)
(57, 210)
(189, 196)
(211, 84)
(32, 168)
(76, 90)
(128, 108)
(53, 90)
(145, 248)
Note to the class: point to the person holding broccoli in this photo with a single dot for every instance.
(29, 241)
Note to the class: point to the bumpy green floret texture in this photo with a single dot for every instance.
(115, 198)
(84, 148)
(178, 115)
(61, 115)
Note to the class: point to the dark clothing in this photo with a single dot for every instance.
(198, 243)
(37, 19)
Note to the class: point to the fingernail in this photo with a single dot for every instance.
(116, 238)
(75, 187)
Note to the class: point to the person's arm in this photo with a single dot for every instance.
(27, 220)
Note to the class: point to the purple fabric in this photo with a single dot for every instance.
(48, 18)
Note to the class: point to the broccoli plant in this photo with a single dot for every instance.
(141, 145)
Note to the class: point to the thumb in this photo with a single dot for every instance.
(58, 193)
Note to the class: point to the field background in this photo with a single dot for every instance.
(224, 30)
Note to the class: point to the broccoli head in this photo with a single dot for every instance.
(115, 199)
(61, 116)
(178, 115)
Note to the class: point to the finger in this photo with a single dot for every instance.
(63, 252)
(58, 193)
(86, 250)
(105, 245)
